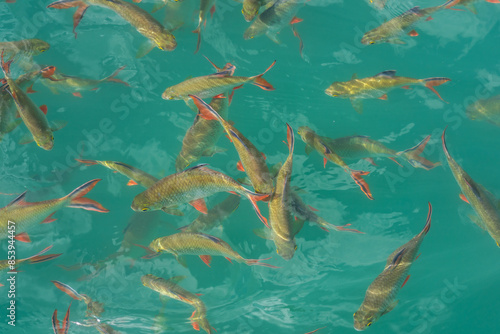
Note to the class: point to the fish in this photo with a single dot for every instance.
(362, 147)
(283, 226)
(60, 82)
(306, 213)
(199, 319)
(390, 31)
(26, 47)
(272, 20)
(142, 21)
(252, 161)
(33, 117)
(251, 8)
(26, 215)
(201, 138)
(377, 87)
(320, 144)
(12, 265)
(206, 6)
(469, 4)
(214, 216)
(191, 186)
(136, 175)
(212, 85)
(381, 295)
(485, 110)
(201, 244)
(380, 4)
(56, 326)
(480, 199)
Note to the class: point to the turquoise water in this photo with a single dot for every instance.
(454, 283)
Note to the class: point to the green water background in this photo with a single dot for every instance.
(324, 284)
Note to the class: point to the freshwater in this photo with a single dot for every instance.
(453, 286)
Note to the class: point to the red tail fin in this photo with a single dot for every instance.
(78, 201)
(254, 198)
(77, 17)
(115, 73)
(254, 262)
(87, 162)
(259, 81)
(356, 176)
(432, 82)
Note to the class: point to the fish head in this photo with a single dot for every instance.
(45, 140)
(475, 111)
(170, 94)
(363, 319)
(142, 203)
(371, 37)
(39, 46)
(255, 30)
(250, 9)
(285, 248)
(147, 279)
(305, 133)
(165, 41)
(337, 89)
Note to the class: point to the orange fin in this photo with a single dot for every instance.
(430, 17)
(296, 20)
(87, 204)
(30, 90)
(356, 176)
(406, 87)
(261, 82)
(394, 159)
(254, 262)
(132, 183)
(220, 96)
(370, 160)
(463, 198)
(77, 94)
(314, 331)
(324, 162)
(413, 33)
(44, 109)
(383, 97)
(206, 259)
(112, 78)
(432, 82)
(49, 219)
(229, 259)
(239, 166)
(200, 205)
(313, 209)
(406, 280)
(23, 237)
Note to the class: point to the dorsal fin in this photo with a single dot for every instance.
(211, 237)
(354, 76)
(194, 167)
(389, 73)
(19, 199)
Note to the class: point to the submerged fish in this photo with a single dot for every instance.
(481, 200)
(136, 175)
(60, 82)
(252, 161)
(25, 47)
(213, 85)
(206, 6)
(389, 31)
(283, 226)
(320, 144)
(214, 216)
(203, 245)
(170, 288)
(56, 326)
(144, 22)
(201, 138)
(487, 110)
(33, 117)
(271, 21)
(251, 8)
(377, 86)
(25, 215)
(381, 295)
(362, 147)
(191, 186)
(469, 4)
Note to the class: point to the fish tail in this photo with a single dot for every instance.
(290, 138)
(259, 81)
(78, 201)
(6, 67)
(55, 322)
(87, 162)
(77, 17)
(412, 155)
(357, 177)
(112, 78)
(68, 290)
(254, 198)
(198, 42)
(43, 258)
(38, 254)
(445, 148)
(258, 262)
(427, 226)
(206, 111)
(324, 225)
(432, 82)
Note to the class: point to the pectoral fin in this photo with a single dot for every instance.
(173, 211)
(309, 149)
(391, 307)
(357, 105)
(144, 49)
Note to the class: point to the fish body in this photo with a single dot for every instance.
(212, 85)
(26, 47)
(272, 20)
(377, 86)
(480, 199)
(362, 147)
(251, 8)
(381, 295)
(170, 288)
(60, 82)
(25, 215)
(201, 138)
(314, 142)
(140, 177)
(141, 20)
(251, 159)
(189, 186)
(214, 216)
(282, 223)
(390, 31)
(37, 258)
(487, 110)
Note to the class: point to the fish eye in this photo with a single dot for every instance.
(372, 42)
(170, 97)
(277, 251)
(145, 209)
(369, 324)
(43, 50)
(354, 314)
(159, 47)
(295, 248)
(51, 137)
